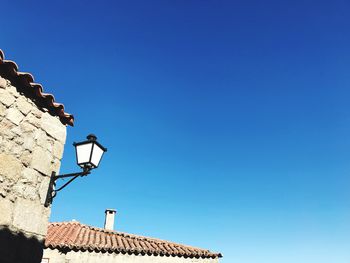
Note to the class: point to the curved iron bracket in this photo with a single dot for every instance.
(52, 192)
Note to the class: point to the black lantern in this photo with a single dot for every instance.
(89, 154)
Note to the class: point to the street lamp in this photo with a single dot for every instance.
(88, 154)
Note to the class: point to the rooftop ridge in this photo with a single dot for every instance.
(131, 243)
(128, 235)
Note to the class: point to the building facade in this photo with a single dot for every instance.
(32, 138)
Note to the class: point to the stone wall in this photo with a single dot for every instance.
(56, 256)
(31, 147)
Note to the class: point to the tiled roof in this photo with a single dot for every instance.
(24, 82)
(76, 236)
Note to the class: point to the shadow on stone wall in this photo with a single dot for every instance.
(17, 248)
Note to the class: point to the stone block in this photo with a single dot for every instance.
(58, 150)
(26, 157)
(6, 145)
(29, 176)
(23, 105)
(53, 127)
(19, 140)
(3, 83)
(7, 134)
(17, 130)
(6, 97)
(27, 127)
(6, 208)
(14, 115)
(55, 165)
(30, 192)
(10, 167)
(13, 91)
(18, 189)
(25, 191)
(6, 127)
(44, 187)
(37, 113)
(2, 110)
(43, 140)
(41, 161)
(33, 120)
(5, 187)
(28, 141)
(30, 216)
(16, 150)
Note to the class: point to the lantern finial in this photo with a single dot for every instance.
(91, 137)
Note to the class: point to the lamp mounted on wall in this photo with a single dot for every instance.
(89, 154)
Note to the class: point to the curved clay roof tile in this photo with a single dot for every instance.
(24, 82)
(90, 238)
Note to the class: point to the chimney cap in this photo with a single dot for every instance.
(109, 219)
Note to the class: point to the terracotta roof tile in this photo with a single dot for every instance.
(73, 235)
(24, 82)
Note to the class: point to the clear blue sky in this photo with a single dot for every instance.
(227, 122)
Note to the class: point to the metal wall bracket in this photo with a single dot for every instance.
(52, 192)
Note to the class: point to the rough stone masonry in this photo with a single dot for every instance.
(31, 147)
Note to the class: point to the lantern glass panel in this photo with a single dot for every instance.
(96, 155)
(83, 153)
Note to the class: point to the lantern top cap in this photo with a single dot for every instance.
(91, 137)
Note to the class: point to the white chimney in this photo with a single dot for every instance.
(109, 221)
